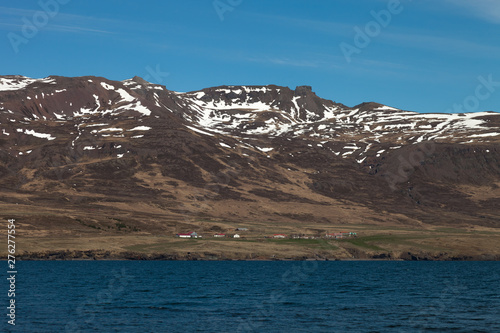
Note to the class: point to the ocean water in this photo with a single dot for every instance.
(238, 296)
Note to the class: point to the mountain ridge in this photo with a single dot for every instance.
(167, 161)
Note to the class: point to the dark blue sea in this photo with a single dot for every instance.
(238, 296)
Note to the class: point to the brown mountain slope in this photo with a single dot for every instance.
(88, 163)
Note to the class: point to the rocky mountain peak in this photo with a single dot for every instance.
(303, 90)
(140, 80)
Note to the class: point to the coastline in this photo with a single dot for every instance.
(102, 255)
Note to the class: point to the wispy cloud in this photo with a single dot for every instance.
(326, 27)
(284, 61)
(443, 44)
(12, 19)
(486, 9)
(76, 29)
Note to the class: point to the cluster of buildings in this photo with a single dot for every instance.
(224, 235)
(193, 234)
(189, 235)
(340, 235)
(336, 235)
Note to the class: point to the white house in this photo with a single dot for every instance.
(188, 235)
(236, 236)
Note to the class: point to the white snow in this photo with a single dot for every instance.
(97, 101)
(96, 125)
(199, 131)
(135, 107)
(112, 129)
(47, 80)
(385, 108)
(125, 95)
(58, 116)
(483, 135)
(142, 109)
(347, 153)
(107, 86)
(129, 82)
(9, 84)
(199, 94)
(140, 128)
(39, 135)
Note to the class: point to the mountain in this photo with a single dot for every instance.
(101, 158)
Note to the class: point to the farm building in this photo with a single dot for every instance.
(335, 235)
(188, 235)
(220, 235)
(279, 236)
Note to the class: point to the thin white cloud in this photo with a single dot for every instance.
(63, 28)
(443, 44)
(16, 11)
(486, 9)
(12, 19)
(284, 61)
(327, 27)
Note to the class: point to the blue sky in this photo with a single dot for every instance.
(427, 55)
